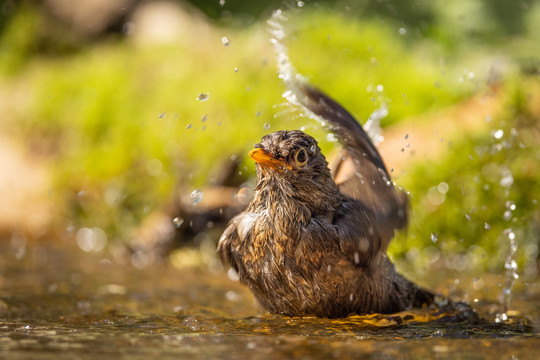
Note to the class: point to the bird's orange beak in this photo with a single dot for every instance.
(264, 158)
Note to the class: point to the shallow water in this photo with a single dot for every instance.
(58, 302)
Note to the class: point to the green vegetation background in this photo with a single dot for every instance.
(123, 125)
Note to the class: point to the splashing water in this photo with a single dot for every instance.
(203, 96)
(177, 222)
(291, 78)
(373, 125)
(511, 276)
(196, 196)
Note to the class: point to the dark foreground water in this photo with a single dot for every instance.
(57, 302)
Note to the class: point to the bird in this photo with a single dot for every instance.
(308, 245)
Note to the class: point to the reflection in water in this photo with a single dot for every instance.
(87, 305)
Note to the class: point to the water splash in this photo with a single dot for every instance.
(177, 222)
(373, 125)
(511, 276)
(196, 196)
(292, 78)
(203, 96)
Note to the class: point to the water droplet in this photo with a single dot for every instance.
(189, 126)
(244, 195)
(331, 137)
(266, 126)
(203, 96)
(233, 275)
(300, 3)
(468, 216)
(380, 88)
(501, 317)
(235, 69)
(435, 196)
(196, 196)
(231, 296)
(443, 188)
(225, 41)
(162, 115)
(406, 136)
(221, 2)
(402, 31)
(177, 222)
(204, 118)
(510, 205)
(487, 226)
(258, 113)
(498, 134)
(434, 237)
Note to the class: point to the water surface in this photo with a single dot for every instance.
(58, 302)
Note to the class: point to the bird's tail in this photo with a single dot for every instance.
(406, 295)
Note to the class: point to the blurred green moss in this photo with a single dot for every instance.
(466, 203)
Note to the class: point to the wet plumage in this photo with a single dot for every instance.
(308, 246)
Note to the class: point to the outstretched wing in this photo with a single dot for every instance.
(369, 181)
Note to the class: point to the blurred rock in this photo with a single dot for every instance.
(90, 17)
(25, 204)
(167, 22)
(183, 220)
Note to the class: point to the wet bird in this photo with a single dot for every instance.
(307, 245)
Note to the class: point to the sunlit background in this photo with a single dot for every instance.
(125, 124)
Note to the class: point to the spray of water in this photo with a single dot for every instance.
(511, 268)
(291, 78)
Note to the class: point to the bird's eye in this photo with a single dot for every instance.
(301, 157)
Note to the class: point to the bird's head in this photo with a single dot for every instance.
(291, 163)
